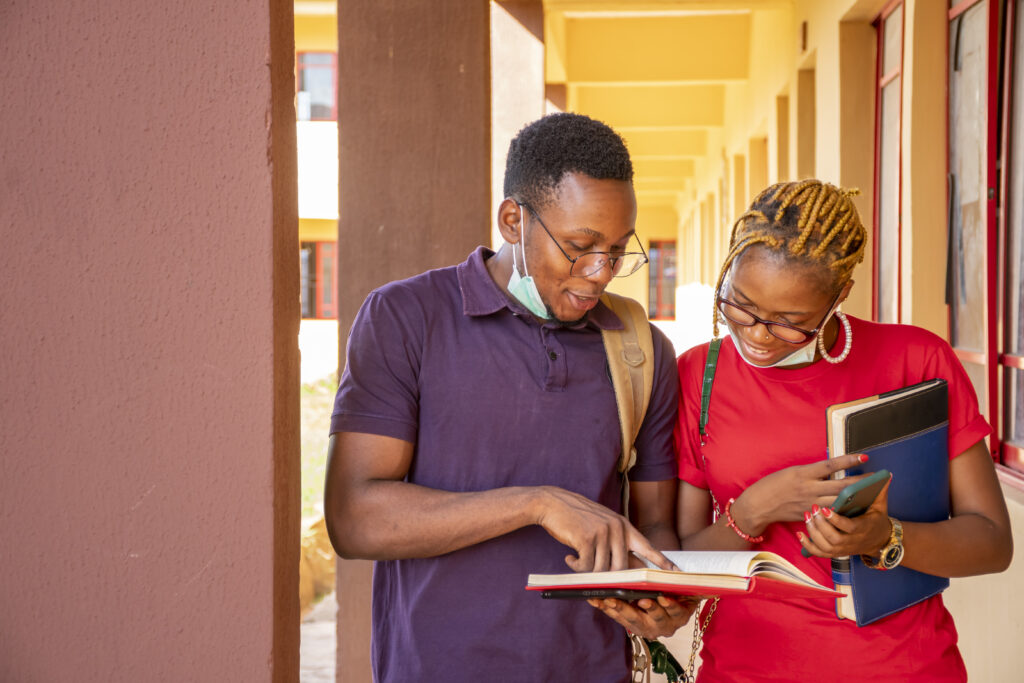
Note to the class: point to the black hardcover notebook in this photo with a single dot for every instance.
(906, 432)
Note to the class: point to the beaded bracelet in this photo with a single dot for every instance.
(732, 523)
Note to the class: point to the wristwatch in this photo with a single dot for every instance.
(891, 554)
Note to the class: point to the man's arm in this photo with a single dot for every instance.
(373, 513)
(652, 505)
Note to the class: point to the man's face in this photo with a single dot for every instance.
(586, 215)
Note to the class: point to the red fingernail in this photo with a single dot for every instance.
(807, 516)
(862, 457)
(827, 512)
(815, 509)
(799, 536)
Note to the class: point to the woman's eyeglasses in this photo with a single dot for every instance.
(784, 331)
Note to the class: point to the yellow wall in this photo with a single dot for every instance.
(318, 230)
(316, 33)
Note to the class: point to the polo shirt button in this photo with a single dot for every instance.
(552, 355)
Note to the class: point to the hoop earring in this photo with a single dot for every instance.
(846, 347)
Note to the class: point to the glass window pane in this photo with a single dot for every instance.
(316, 79)
(307, 279)
(316, 58)
(892, 41)
(1013, 410)
(889, 203)
(967, 149)
(319, 83)
(976, 373)
(1014, 342)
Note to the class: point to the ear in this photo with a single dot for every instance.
(510, 218)
(845, 293)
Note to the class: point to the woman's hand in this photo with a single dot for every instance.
(829, 534)
(785, 495)
(649, 618)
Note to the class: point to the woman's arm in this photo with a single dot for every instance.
(781, 496)
(975, 540)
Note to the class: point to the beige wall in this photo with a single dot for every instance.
(988, 611)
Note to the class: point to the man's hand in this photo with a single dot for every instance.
(649, 618)
(601, 538)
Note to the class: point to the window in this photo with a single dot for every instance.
(318, 273)
(661, 302)
(317, 82)
(985, 248)
(1011, 360)
(888, 183)
(966, 268)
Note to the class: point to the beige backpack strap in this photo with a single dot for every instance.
(630, 354)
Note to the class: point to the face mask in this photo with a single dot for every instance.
(805, 354)
(524, 289)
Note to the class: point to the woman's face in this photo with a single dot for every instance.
(775, 290)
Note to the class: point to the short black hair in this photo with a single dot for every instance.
(544, 151)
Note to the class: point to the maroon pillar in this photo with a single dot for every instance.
(149, 312)
(414, 138)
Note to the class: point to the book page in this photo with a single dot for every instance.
(735, 563)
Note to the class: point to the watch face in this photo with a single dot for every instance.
(891, 556)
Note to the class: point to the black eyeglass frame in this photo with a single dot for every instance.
(611, 261)
(769, 324)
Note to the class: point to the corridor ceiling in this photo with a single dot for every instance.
(657, 72)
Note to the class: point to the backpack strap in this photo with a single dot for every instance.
(630, 353)
(705, 389)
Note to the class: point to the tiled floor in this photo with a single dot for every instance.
(318, 643)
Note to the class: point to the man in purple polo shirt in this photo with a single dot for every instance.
(475, 434)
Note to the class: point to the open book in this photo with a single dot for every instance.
(702, 573)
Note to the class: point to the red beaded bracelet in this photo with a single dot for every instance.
(732, 523)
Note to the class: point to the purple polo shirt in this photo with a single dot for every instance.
(492, 398)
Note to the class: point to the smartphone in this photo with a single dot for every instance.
(856, 498)
(623, 594)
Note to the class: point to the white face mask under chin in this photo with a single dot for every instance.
(805, 354)
(524, 289)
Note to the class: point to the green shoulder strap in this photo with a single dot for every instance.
(630, 353)
(705, 390)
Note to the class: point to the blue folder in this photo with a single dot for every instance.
(906, 432)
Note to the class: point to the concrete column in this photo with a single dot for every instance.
(925, 149)
(857, 50)
(806, 128)
(149, 313)
(415, 175)
(517, 84)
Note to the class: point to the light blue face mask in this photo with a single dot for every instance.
(524, 289)
(805, 354)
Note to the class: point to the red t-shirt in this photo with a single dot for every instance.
(765, 419)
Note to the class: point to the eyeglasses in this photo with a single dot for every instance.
(622, 264)
(787, 333)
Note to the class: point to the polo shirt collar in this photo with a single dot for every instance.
(481, 295)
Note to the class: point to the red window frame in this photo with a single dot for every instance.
(882, 80)
(299, 68)
(660, 306)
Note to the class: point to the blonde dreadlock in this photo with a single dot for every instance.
(814, 222)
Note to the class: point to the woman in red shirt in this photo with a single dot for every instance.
(762, 464)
